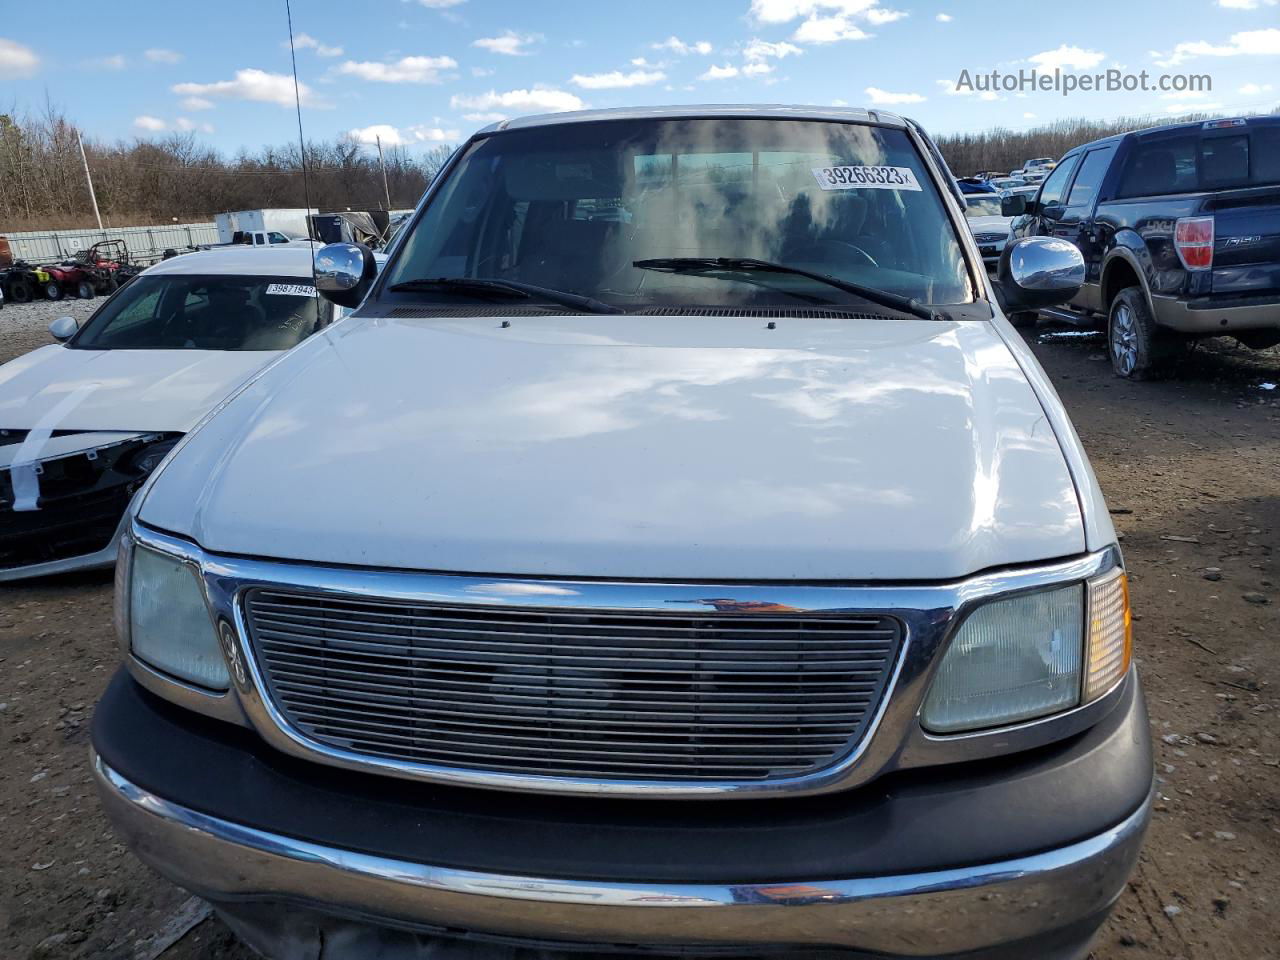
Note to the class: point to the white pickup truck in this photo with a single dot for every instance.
(676, 551)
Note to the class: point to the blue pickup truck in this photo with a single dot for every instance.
(1180, 230)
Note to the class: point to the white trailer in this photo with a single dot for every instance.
(263, 227)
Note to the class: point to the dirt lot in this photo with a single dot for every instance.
(1191, 469)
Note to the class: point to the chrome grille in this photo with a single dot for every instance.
(721, 695)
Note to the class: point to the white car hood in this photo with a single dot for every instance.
(990, 224)
(146, 391)
(648, 447)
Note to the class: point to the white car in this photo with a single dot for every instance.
(83, 422)
(720, 574)
(1007, 183)
(990, 227)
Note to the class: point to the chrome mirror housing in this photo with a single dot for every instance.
(344, 272)
(1038, 272)
(64, 328)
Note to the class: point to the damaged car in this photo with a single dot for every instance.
(83, 422)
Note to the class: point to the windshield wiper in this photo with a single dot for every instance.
(489, 288)
(750, 265)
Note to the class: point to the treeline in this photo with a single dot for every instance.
(176, 177)
(1002, 149)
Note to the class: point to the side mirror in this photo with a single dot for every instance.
(345, 272)
(1038, 272)
(1052, 211)
(64, 328)
(1014, 205)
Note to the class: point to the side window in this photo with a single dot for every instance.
(259, 238)
(277, 237)
(1161, 166)
(1054, 185)
(1089, 179)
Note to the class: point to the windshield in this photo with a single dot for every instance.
(572, 207)
(988, 206)
(215, 312)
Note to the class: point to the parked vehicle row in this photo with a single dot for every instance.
(95, 271)
(673, 547)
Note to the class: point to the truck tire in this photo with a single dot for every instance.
(1023, 319)
(20, 291)
(84, 289)
(53, 290)
(1137, 348)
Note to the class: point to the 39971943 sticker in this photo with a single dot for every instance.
(291, 290)
(866, 178)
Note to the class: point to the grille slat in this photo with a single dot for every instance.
(735, 693)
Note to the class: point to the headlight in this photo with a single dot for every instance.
(1032, 655)
(169, 624)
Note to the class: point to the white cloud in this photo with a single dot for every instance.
(1067, 58)
(252, 84)
(784, 11)
(161, 55)
(395, 137)
(720, 73)
(483, 118)
(763, 50)
(1247, 43)
(537, 100)
(115, 61)
(197, 103)
(404, 70)
(618, 80)
(440, 4)
(1245, 4)
(510, 43)
(482, 72)
(878, 16)
(1185, 95)
(152, 124)
(944, 18)
(757, 69)
(884, 97)
(17, 60)
(1252, 89)
(305, 41)
(186, 123)
(828, 30)
(839, 103)
(676, 45)
(1028, 116)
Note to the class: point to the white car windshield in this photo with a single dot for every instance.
(576, 207)
(982, 206)
(214, 312)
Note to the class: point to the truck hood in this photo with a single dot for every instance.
(149, 391)
(989, 224)
(634, 447)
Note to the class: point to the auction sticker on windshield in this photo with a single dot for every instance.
(291, 290)
(866, 178)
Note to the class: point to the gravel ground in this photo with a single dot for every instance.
(1191, 469)
(25, 326)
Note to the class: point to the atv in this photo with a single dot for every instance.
(98, 270)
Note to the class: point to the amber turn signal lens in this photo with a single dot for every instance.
(1110, 634)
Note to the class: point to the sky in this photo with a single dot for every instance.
(425, 72)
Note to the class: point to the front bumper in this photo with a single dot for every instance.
(94, 560)
(1011, 858)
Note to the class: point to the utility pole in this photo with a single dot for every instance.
(385, 189)
(88, 179)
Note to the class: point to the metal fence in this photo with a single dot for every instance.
(145, 243)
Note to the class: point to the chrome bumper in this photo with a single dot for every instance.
(910, 915)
